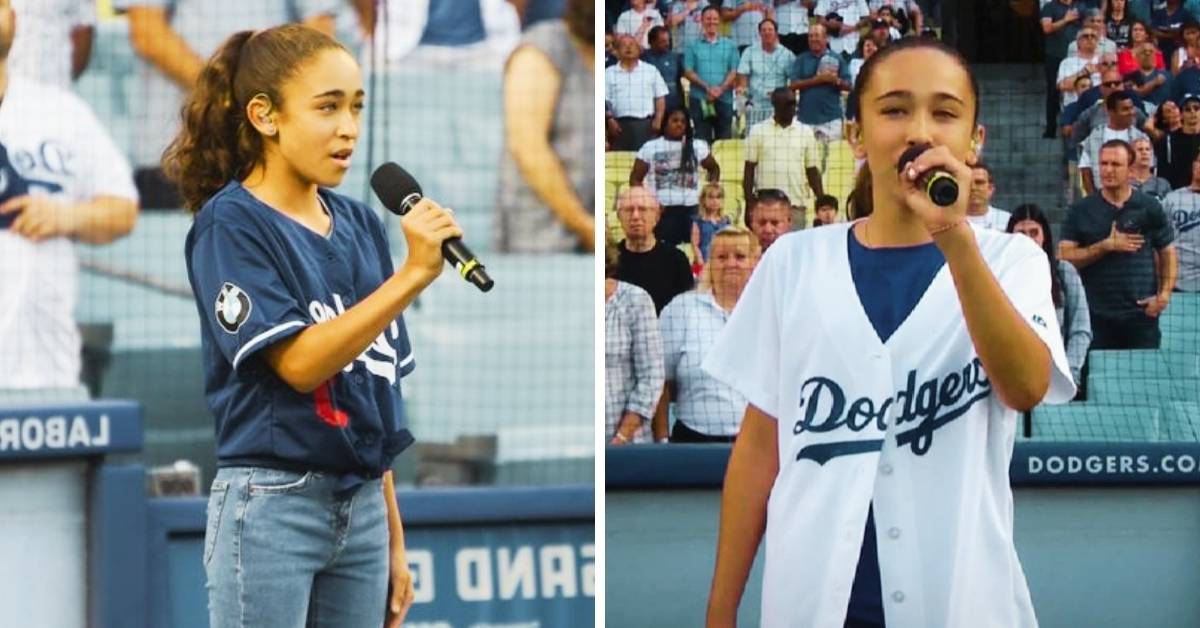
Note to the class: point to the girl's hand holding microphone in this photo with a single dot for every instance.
(426, 226)
(914, 176)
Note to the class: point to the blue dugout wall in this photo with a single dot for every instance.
(83, 545)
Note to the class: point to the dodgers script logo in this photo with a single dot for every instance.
(932, 404)
(380, 358)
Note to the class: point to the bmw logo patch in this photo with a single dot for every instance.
(233, 307)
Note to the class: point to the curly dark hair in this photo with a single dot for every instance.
(216, 143)
(580, 16)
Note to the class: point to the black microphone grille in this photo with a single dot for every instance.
(394, 185)
(912, 153)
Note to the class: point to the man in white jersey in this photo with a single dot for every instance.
(1183, 209)
(980, 211)
(40, 51)
(61, 179)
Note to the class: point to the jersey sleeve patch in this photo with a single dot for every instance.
(233, 307)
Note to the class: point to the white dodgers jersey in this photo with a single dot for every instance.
(910, 425)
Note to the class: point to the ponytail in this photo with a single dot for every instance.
(861, 204)
(216, 143)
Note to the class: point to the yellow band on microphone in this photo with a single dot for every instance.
(465, 269)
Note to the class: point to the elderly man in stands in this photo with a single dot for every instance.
(770, 216)
(638, 95)
(783, 154)
(710, 65)
(1119, 126)
(62, 180)
(1113, 238)
(764, 68)
(1183, 209)
(1085, 61)
(1094, 19)
(659, 269)
(173, 38)
(821, 76)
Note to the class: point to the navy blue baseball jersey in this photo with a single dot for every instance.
(259, 277)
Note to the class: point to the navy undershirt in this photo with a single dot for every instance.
(890, 282)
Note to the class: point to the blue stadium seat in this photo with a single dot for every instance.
(1181, 420)
(1075, 422)
(1118, 390)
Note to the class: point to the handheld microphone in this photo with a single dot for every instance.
(940, 187)
(399, 191)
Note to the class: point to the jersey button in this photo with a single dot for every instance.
(898, 596)
(894, 533)
(886, 469)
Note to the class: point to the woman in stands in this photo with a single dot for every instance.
(706, 409)
(874, 452)
(1066, 289)
(1118, 22)
(1139, 32)
(546, 196)
(670, 167)
(302, 336)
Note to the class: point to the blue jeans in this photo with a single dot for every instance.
(281, 551)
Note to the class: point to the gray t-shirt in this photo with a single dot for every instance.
(1115, 282)
(204, 24)
(524, 223)
(1183, 209)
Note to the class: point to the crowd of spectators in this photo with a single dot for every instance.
(1123, 87)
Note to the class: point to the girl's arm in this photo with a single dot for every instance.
(1016, 360)
(309, 358)
(696, 253)
(753, 465)
(400, 582)
(531, 85)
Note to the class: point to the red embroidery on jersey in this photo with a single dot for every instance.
(329, 414)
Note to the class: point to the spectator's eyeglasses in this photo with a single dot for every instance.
(1108, 63)
(1192, 108)
(1111, 83)
(1086, 36)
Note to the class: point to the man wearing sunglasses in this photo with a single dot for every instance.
(1086, 61)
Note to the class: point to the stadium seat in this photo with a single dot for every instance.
(1118, 389)
(839, 173)
(617, 165)
(735, 203)
(1181, 421)
(731, 156)
(1150, 363)
(1075, 422)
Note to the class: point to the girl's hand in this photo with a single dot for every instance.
(935, 216)
(400, 590)
(426, 226)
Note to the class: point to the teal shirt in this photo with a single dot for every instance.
(712, 62)
(766, 71)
